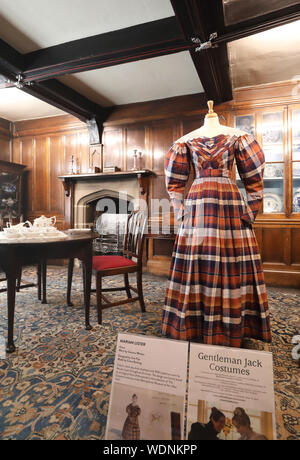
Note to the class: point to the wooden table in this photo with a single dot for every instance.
(15, 254)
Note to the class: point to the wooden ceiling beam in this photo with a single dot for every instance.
(52, 91)
(11, 64)
(198, 19)
(152, 39)
(65, 98)
(194, 19)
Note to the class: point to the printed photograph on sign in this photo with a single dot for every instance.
(208, 422)
(140, 414)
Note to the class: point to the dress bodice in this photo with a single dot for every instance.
(213, 156)
(212, 152)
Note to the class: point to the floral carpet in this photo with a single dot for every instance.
(57, 384)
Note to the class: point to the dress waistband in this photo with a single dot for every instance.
(210, 172)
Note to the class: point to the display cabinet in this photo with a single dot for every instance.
(269, 126)
(277, 225)
(11, 192)
(294, 144)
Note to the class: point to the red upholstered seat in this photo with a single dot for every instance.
(106, 262)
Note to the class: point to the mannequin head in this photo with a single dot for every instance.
(211, 120)
(211, 113)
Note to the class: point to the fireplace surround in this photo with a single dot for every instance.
(89, 196)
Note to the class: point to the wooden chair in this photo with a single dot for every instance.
(109, 265)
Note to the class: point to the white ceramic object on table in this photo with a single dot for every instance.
(31, 232)
(11, 233)
(44, 222)
(20, 225)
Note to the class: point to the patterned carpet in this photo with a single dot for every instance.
(57, 384)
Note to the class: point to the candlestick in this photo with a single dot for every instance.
(134, 160)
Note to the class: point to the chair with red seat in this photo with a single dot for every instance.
(109, 265)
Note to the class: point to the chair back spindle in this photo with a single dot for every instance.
(134, 238)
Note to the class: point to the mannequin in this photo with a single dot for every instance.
(215, 292)
(211, 127)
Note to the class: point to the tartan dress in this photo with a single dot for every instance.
(215, 291)
(131, 429)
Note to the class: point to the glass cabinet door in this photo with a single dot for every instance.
(245, 123)
(9, 195)
(273, 147)
(296, 159)
(271, 126)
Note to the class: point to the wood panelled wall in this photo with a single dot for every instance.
(46, 146)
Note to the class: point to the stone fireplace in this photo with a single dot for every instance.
(102, 201)
(116, 195)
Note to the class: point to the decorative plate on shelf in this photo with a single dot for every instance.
(270, 171)
(296, 201)
(296, 169)
(9, 188)
(272, 203)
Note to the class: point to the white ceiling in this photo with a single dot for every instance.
(146, 80)
(31, 25)
(150, 79)
(28, 25)
(15, 105)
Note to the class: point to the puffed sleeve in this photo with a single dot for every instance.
(177, 168)
(250, 161)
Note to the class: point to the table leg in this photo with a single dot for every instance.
(44, 281)
(70, 277)
(87, 280)
(19, 280)
(11, 298)
(39, 277)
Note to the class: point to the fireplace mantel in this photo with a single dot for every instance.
(70, 179)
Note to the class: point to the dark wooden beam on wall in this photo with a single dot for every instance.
(152, 39)
(199, 19)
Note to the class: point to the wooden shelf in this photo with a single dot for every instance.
(70, 179)
(99, 176)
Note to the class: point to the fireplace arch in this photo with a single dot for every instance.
(89, 207)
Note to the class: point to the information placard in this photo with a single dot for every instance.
(148, 389)
(230, 394)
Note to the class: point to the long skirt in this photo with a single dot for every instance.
(215, 292)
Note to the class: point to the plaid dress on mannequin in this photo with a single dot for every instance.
(216, 292)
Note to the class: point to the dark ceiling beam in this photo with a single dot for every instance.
(198, 19)
(52, 91)
(11, 65)
(11, 62)
(65, 98)
(257, 25)
(194, 19)
(152, 39)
